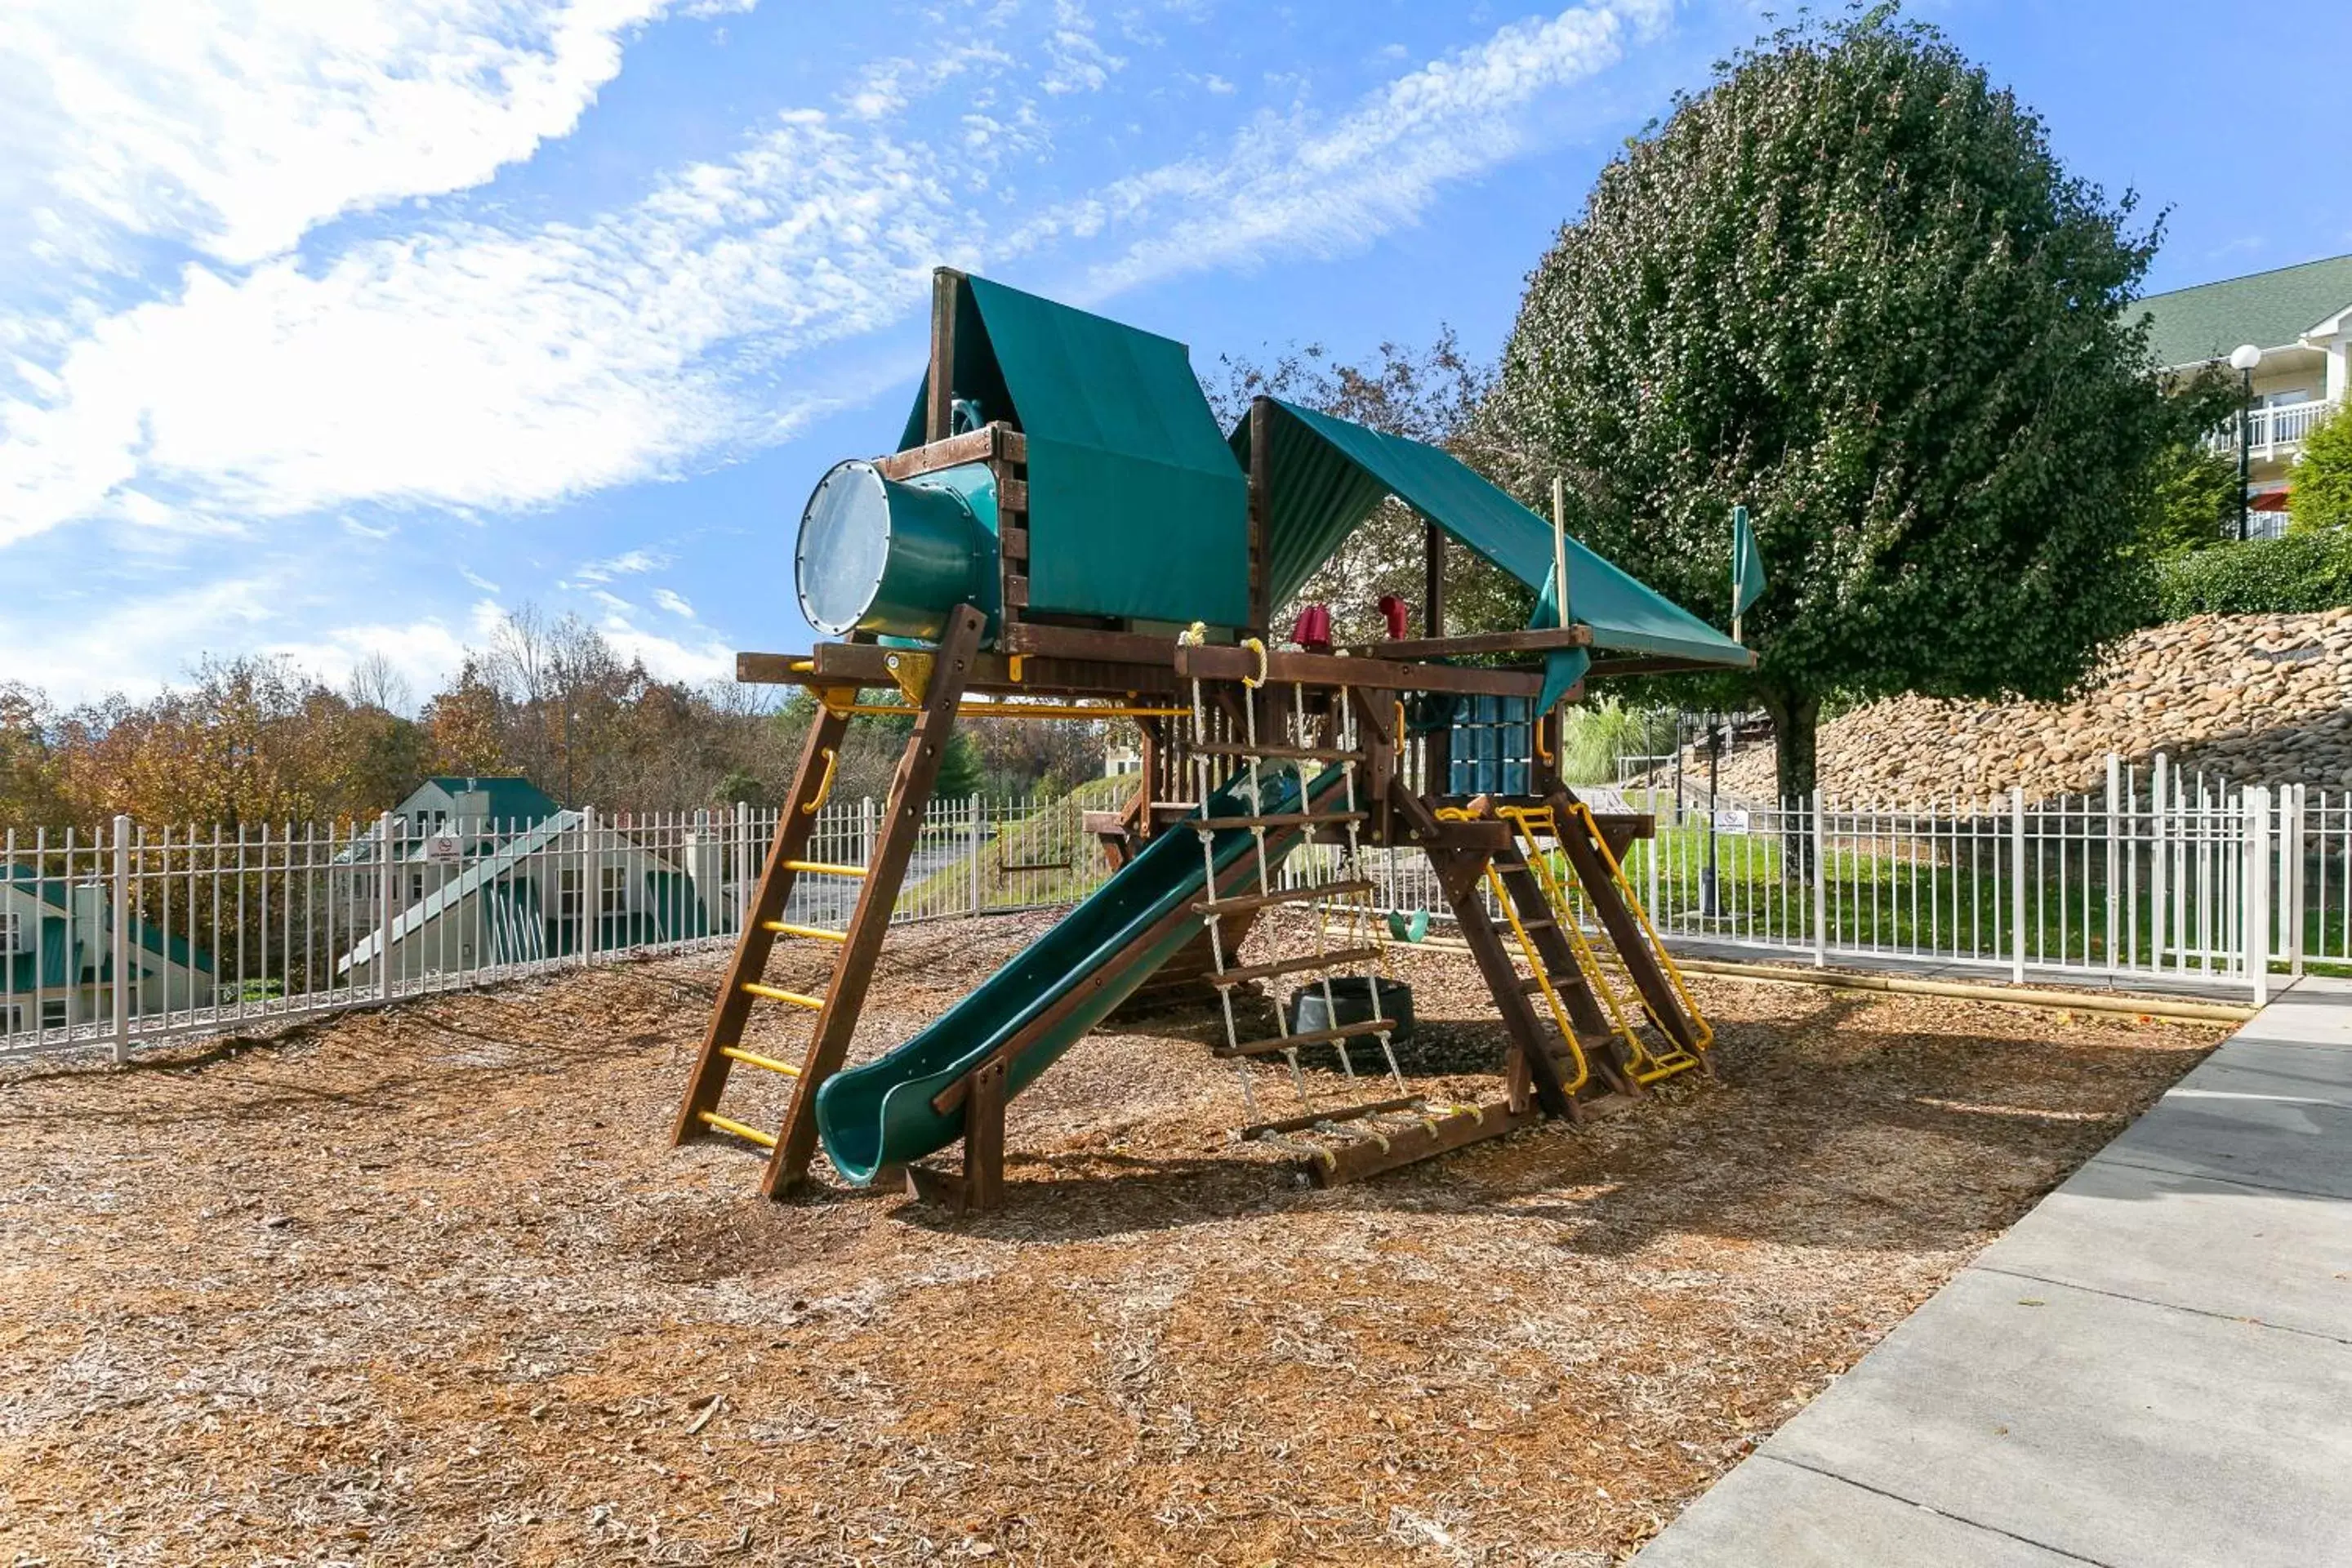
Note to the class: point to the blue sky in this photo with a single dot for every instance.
(328, 330)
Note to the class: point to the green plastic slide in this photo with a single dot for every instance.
(881, 1113)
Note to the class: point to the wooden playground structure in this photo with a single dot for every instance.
(1252, 752)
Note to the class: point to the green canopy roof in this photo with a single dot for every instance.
(1135, 506)
(1325, 475)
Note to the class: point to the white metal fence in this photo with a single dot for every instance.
(129, 934)
(2159, 876)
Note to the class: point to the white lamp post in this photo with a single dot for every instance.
(2243, 359)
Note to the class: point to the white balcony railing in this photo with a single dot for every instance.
(2275, 431)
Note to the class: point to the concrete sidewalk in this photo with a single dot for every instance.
(2154, 1367)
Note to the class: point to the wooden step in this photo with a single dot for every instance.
(1286, 896)
(1280, 819)
(1333, 959)
(1320, 1118)
(1316, 1037)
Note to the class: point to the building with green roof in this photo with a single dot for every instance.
(2300, 319)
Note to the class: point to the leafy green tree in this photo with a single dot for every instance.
(1850, 286)
(2321, 496)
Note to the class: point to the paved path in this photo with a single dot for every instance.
(2153, 1368)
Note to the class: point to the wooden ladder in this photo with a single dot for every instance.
(794, 1145)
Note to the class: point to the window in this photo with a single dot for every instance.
(612, 890)
(53, 1013)
(415, 886)
(11, 1019)
(12, 933)
(567, 893)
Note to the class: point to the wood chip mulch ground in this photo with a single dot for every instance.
(430, 1286)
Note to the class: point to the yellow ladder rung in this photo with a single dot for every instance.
(815, 934)
(824, 869)
(778, 993)
(753, 1058)
(728, 1124)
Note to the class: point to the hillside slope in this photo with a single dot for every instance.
(2253, 699)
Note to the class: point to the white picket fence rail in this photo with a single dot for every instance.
(2159, 876)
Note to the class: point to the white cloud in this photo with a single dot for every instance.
(675, 602)
(1291, 184)
(469, 367)
(628, 563)
(136, 645)
(1075, 61)
(476, 580)
(238, 126)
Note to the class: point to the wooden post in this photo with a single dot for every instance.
(910, 792)
(1461, 872)
(939, 401)
(1261, 429)
(794, 824)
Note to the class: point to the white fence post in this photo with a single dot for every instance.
(2115, 943)
(2290, 808)
(592, 886)
(865, 831)
(1821, 882)
(2159, 872)
(123, 978)
(979, 824)
(2256, 891)
(2017, 883)
(385, 906)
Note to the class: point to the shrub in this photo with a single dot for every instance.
(2301, 572)
(2322, 482)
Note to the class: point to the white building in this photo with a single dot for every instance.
(56, 956)
(489, 872)
(2300, 318)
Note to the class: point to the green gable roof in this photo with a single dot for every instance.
(1326, 474)
(1135, 506)
(2269, 309)
(512, 798)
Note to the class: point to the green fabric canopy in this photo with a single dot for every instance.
(1136, 508)
(1325, 475)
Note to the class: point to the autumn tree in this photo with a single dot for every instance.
(1850, 286)
(1432, 394)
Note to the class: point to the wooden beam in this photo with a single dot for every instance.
(995, 439)
(902, 826)
(1539, 640)
(1036, 638)
(1217, 662)
(867, 666)
(1462, 874)
(1410, 1145)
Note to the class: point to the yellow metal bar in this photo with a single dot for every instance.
(815, 933)
(728, 1124)
(778, 993)
(1658, 947)
(823, 785)
(824, 869)
(753, 1058)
